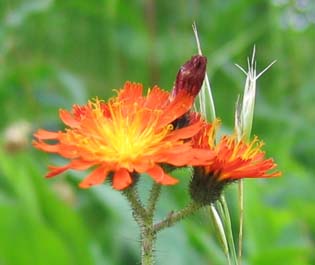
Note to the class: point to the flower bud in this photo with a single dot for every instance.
(205, 187)
(189, 80)
(190, 76)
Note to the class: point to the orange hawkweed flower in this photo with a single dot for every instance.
(129, 134)
(233, 160)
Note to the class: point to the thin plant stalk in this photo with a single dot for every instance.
(241, 212)
(174, 217)
(154, 195)
(243, 124)
(138, 211)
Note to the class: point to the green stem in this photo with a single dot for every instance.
(174, 217)
(148, 237)
(144, 219)
(241, 209)
(138, 211)
(154, 195)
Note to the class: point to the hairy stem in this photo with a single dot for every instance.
(174, 217)
(138, 211)
(148, 237)
(144, 219)
(154, 195)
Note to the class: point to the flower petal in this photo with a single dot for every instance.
(158, 174)
(175, 109)
(121, 179)
(141, 166)
(75, 164)
(96, 177)
(68, 118)
(186, 132)
(46, 135)
(50, 148)
(54, 170)
(156, 98)
(131, 92)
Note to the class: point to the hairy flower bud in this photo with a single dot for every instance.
(206, 188)
(190, 76)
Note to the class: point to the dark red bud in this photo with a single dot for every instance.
(190, 76)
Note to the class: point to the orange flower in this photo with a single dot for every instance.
(233, 160)
(129, 134)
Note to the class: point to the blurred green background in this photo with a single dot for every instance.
(54, 53)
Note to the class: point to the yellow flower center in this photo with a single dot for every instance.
(127, 133)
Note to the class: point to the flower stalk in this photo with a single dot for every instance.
(138, 211)
(144, 218)
(174, 217)
(154, 195)
(148, 238)
(244, 116)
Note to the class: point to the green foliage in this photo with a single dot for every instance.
(57, 53)
(34, 224)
